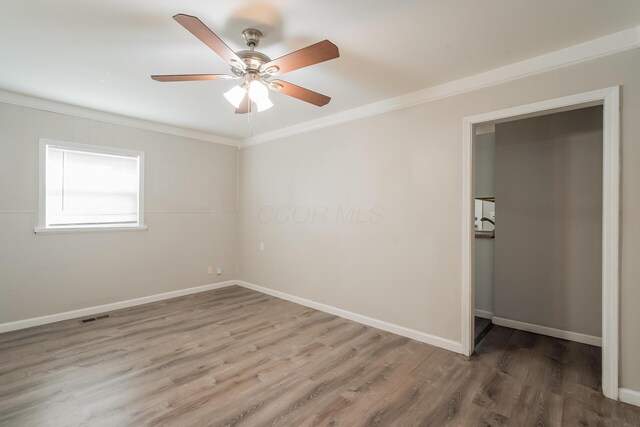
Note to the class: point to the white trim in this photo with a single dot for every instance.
(611, 211)
(43, 320)
(365, 320)
(71, 230)
(545, 330)
(632, 397)
(483, 313)
(91, 114)
(42, 180)
(100, 149)
(42, 186)
(610, 99)
(597, 48)
(141, 180)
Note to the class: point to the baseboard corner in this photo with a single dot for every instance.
(424, 337)
(483, 313)
(548, 331)
(626, 395)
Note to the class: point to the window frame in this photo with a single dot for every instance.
(42, 186)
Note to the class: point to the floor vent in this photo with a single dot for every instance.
(93, 319)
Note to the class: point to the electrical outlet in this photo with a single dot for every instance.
(218, 270)
(261, 246)
(210, 269)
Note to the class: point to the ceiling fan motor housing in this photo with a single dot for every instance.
(252, 59)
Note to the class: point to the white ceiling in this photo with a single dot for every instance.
(99, 54)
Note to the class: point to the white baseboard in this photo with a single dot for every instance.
(629, 396)
(545, 330)
(37, 321)
(484, 314)
(625, 395)
(386, 326)
(365, 320)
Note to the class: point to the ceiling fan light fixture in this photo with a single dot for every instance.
(235, 95)
(258, 91)
(264, 104)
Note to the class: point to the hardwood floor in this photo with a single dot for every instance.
(237, 357)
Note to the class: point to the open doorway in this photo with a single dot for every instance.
(484, 146)
(607, 102)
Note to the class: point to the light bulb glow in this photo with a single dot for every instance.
(259, 93)
(235, 95)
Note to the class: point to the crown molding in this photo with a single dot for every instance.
(596, 48)
(88, 113)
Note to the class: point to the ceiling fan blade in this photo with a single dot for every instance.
(208, 37)
(310, 55)
(243, 108)
(301, 93)
(190, 77)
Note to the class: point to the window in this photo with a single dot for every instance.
(85, 187)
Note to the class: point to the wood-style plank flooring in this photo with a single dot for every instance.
(237, 357)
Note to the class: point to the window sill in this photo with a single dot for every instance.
(58, 230)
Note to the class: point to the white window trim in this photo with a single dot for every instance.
(42, 228)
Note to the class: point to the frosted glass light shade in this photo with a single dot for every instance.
(259, 93)
(235, 95)
(264, 104)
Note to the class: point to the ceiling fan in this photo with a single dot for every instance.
(255, 68)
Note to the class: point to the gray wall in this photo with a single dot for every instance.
(190, 196)
(484, 160)
(548, 254)
(484, 274)
(483, 185)
(405, 268)
(395, 258)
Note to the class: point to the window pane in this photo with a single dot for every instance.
(91, 188)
